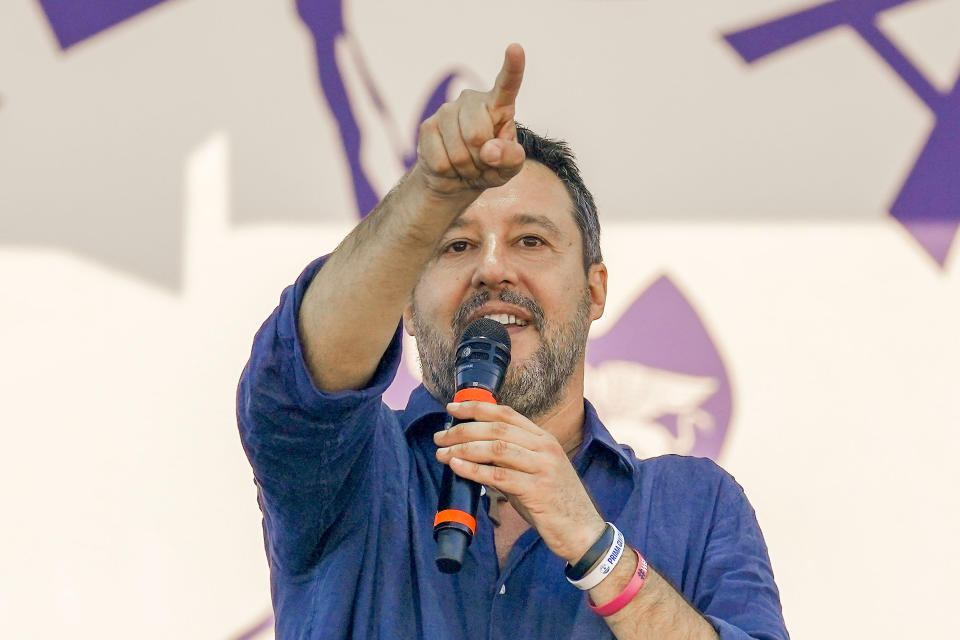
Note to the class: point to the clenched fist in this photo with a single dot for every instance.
(470, 144)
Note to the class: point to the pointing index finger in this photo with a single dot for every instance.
(507, 86)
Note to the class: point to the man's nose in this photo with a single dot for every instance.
(495, 267)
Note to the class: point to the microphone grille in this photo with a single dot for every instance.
(487, 328)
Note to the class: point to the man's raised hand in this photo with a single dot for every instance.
(470, 144)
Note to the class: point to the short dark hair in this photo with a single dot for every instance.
(557, 156)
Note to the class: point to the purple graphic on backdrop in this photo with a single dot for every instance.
(76, 20)
(928, 204)
(657, 379)
(260, 628)
(324, 18)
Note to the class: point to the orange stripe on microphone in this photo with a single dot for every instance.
(455, 515)
(474, 393)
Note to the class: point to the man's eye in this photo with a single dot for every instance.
(457, 247)
(531, 241)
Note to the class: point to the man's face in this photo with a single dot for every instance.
(514, 254)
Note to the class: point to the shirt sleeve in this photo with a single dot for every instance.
(736, 591)
(311, 451)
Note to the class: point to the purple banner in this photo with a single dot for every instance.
(928, 205)
(76, 20)
(324, 19)
(657, 379)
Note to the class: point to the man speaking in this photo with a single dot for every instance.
(575, 537)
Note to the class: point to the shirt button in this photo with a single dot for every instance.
(503, 589)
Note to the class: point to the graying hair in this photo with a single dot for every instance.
(557, 156)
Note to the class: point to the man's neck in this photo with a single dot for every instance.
(565, 420)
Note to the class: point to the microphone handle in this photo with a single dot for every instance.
(456, 520)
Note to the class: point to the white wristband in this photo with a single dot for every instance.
(603, 568)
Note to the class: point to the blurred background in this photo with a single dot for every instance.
(779, 188)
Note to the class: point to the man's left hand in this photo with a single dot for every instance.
(507, 451)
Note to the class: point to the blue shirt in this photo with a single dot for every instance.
(348, 490)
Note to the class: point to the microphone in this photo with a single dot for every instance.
(483, 355)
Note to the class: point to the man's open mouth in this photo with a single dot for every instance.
(506, 319)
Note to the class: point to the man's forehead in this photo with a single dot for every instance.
(519, 219)
(535, 197)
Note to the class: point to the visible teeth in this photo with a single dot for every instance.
(504, 318)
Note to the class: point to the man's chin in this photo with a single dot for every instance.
(524, 342)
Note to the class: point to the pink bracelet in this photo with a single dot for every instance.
(629, 591)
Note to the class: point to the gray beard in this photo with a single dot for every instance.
(532, 388)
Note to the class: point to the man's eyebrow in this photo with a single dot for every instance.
(458, 224)
(543, 221)
(518, 219)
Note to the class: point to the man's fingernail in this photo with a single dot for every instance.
(443, 450)
(453, 405)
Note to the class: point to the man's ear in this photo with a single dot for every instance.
(408, 320)
(597, 284)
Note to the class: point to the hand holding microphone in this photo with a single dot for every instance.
(491, 444)
(483, 355)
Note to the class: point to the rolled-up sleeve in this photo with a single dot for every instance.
(311, 451)
(736, 591)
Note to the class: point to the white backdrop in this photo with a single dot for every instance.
(762, 190)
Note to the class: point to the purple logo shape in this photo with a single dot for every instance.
(324, 18)
(655, 378)
(76, 20)
(928, 204)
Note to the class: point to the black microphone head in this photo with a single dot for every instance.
(488, 329)
(483, 356)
